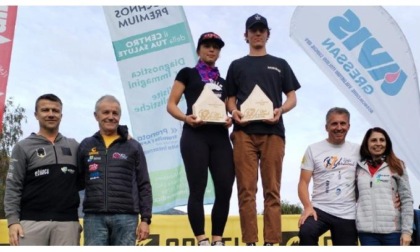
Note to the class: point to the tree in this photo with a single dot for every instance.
(288, 208)
(12, 131)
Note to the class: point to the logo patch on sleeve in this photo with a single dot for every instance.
(66, 151)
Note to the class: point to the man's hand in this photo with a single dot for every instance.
(237, 116)
(305, 214)
(142, 231)
(276, 117)
(15, 233)
(397, 202)
(405, 240)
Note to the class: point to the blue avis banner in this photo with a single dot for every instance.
(365, 54)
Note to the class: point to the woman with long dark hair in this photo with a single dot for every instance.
(381, 177)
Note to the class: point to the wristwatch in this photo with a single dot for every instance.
(147, 220)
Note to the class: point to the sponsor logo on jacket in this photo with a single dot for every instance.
(117, 155)
(93, 151)
(93, 167)
(382, 178)
(93, 158)
(40, 152)
(65, 169)
(42, 172)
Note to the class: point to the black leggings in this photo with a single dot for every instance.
(204, 150)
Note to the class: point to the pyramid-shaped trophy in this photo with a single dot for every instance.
(257, 106)
(209, 107)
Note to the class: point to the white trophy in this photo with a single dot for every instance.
(257, 106)
(209, 107)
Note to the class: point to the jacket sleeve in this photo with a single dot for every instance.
(406, 198)
(14, 185)
(80, 168)
(144, 185)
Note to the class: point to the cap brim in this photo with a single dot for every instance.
(219, 42)
(257, 23)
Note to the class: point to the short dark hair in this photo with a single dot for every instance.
(337, 110)
(50, 97)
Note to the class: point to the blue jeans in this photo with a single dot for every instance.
(110, 229)
(374, 239)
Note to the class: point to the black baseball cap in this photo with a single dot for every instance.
(256, 19)
(210, 36)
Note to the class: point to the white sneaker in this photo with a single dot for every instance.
(204, 242)
(218, 243)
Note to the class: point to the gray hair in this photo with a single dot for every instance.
(337, 110)
(109, 98)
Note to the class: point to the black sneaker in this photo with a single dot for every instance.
(268, 244)
(251, 244)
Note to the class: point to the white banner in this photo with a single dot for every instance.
(151, 44)
(365, 54)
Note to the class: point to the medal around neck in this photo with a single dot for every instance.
(209, 108)
(257, 106)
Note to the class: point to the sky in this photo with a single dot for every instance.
(67, 50)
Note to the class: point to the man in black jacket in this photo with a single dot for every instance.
(41, 197)
(116, 182)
